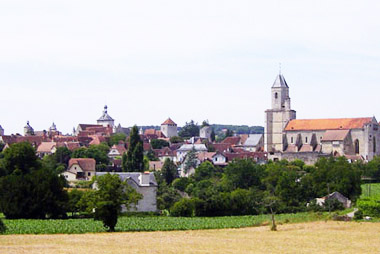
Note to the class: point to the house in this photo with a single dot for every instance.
(185, 148)
(166, 153)
(117, 151)
(80, 169)
(156, 165)
(335, 195)
(145, 184)
(46, 148)
(216, 158)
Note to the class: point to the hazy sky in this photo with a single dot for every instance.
(62, 61)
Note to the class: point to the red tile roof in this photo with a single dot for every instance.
(335, 135)
(327, 124)
(86, 164)
(169, 122)
(231, 140)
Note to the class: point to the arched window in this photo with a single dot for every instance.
(356, 146)
(374, 144)
(306, 140)
(291, 140)
(275, 95)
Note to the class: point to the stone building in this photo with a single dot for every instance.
(106, 120)
(28, 130)
(1, 131)
(169, 128)
(205, 132)
(309, 139)
(145, 184)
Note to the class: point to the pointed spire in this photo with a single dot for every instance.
(280, 81)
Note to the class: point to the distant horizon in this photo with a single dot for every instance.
(62, 61)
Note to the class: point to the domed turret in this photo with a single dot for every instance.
(28, 130)
(106, 119)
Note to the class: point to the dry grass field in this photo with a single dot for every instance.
(313, 237)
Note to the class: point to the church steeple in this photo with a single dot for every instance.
(280, 94)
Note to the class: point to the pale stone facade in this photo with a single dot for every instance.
(169, 128)
(310, 139)
(205, 132)
(278, 116)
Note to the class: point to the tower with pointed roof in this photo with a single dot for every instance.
(1, 131)
(106, 120)
(278, 116)
(169, 128)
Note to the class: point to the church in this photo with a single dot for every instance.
(289, 138)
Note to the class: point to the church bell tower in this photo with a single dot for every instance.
(278, 116)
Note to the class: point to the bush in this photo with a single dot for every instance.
(181, 183)
(3, 228)
(369, 206)
(183, 208)
(358, 215)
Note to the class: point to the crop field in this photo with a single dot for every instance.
(372, 189)
(149, 223)
(311, 237)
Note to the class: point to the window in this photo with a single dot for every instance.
(291, 140)
(275, 95)
(356, 146)
(306, 140)
(374, 144)
(89, 173)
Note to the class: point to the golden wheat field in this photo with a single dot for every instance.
(315, 237)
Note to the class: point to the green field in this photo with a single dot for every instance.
(372, 189)
(149, 223)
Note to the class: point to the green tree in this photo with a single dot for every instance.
(158, 143)
(73, 205)
(212, 135)
(116, 138)
(134, 161)
(191, 160)
(205, 171)
(28, 190)
(189, 130)
(176, 139)
(169, 171)
(110, 195)
(243, 173)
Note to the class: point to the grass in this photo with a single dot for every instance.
(372, 189)
(313, 237)
(150, 223)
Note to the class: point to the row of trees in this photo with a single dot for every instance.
(244, 187)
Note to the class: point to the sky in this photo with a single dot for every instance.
(62, 61)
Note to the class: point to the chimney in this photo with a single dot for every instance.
(145, 178)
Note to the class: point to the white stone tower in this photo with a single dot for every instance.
(106, 120)
(278, 116)
(169, 128)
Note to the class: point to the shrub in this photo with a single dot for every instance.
(358, 215)
(369, 206)
(3, 228)
(183, 208)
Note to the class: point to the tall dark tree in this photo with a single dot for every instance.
(29, 190)
(134, 161)
(191, 160)
(212, 135)
(169, 171)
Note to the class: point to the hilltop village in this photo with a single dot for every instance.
(285, 137)
(144, 156)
